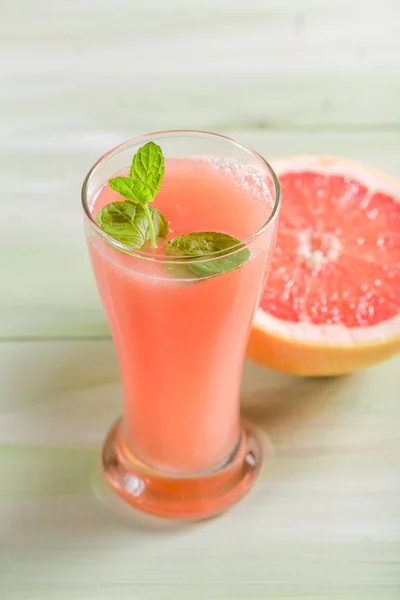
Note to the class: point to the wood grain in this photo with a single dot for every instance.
(324, 517)
(76, 78)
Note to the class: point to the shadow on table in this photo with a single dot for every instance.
(283, 404)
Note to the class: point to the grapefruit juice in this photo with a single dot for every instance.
(181, 338)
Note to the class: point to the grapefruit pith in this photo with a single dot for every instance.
(332, 300)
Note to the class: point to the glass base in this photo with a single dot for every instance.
(171, 496)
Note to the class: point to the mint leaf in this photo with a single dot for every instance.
(200, 243)
(132, 189)
(205, 243)
(144, 181)
(124, 186)
(148, 170)
(129, 224)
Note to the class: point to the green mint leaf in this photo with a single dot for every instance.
(147, 171)
(132, 189)
(144, 181)
(124, 186)
(205, 243)
(128, 223)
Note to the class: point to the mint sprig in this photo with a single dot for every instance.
(130, 224)
(206, 243)
(140, 188)
(134, 222)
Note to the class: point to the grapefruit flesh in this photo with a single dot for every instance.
(332, 300)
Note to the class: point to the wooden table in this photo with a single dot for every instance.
(77, 77)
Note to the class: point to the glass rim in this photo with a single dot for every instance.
(181, 259)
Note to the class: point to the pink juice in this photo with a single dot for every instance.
(181, 342)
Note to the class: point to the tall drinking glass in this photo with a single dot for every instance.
(181, 325)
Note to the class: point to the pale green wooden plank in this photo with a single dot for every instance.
(48, 290)
(70, 392)
(96, 591)
(278, 64)
(326, 99)
(322, 522)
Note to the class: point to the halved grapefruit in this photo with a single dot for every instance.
(332, 301)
